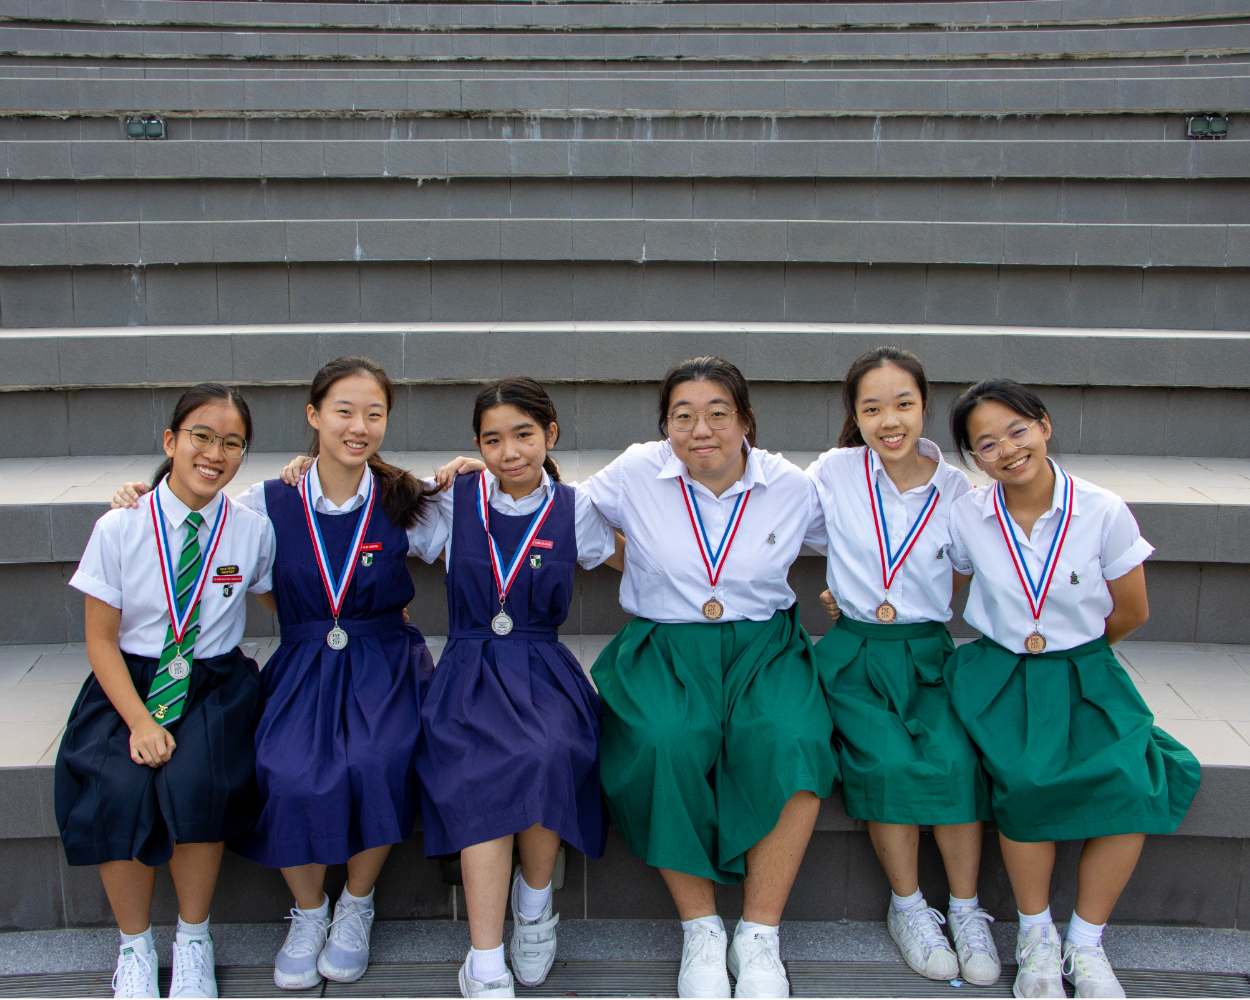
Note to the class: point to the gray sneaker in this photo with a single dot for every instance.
(296, 965)
(533, 941)
(346, 954)
(497, 988)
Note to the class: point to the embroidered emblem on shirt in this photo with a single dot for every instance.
(535, 561)
(227, 589)
(940, 551)
(366, 559)
(772, 538)
(1075, 579)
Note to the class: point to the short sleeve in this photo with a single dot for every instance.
(596, 541)
(604, 489)
(99, 572)
(817, 536)
(266, 551)
(961, 561)
(1123, 547)
(430, 535)
(253, 498)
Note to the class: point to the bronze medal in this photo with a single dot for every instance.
(1035, 643)
(713, 609)
(886, 613)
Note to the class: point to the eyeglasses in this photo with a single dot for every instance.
(202, 439)
(991, 451)
(718, 418)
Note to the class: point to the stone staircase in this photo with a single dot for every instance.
(586, 193)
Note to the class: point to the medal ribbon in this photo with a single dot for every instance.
(504, 578)
(179, 613)
(892, 562)
(713, 561)
(1035, 592)
(336, 587)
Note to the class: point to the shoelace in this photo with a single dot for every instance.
(190, 964)
(926, 922)
(702, 944)
(131, 977)
(349, 928)
(1040, 949)
(972, 928)
(1093, 961)
(758, 949)
(305, 936)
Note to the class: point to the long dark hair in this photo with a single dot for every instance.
(192, 400)
(878, 357)
(403, 496)
(527, 396)
(709, 370)
(1007, 391)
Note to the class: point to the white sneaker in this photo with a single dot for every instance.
(918, 933)
(470, 987)
(136, 971)
(1089, 972)
(194, 973)
(755, 961)
(533, 946)
(703, 962)
(1038, 953)
(346, 953)
(978, 958)
(295, 968)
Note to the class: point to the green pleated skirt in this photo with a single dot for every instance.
(708, 731)
(905, 756)
(1070, 748)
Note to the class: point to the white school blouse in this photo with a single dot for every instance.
(1103, 543)
(121, 567)
(921, 590)
(596, 541)
(665, 577)
(426, 538)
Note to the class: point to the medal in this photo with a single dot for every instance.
(1036, 593)
(501, 624)
(713, 562)
(179, 668)
(336, 585)
(891, 561)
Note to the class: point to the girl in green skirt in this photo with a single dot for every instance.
(716, 745)
(1070, 748)
(905, 757)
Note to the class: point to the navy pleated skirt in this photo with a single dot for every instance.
(109, 808)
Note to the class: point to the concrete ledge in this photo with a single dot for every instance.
(75, 244)
(437, 158)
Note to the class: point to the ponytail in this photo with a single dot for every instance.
(527, 396)
(192, 400)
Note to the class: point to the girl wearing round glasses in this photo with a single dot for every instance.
(716, 742)
(1070, 748)
(905, 758)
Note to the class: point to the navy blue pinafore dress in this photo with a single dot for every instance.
(509, 725)
(335, 745)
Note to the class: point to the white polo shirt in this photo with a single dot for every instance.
(121, 567)
(596, 541)
(426, 538)
(665, 577)
(1103, 543)
(921, 588)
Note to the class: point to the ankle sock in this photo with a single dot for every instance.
(321, 911)
(487, 966)
(145, 937)
(748, 928)
(1029, 921)
(965, 904)
(363, 902)
(188, 931)
(532, 902)
(714, 922)
(1083, 934)
(900, 903)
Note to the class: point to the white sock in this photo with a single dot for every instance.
(487, 966)
(361, 902)
(1083, 934)
(900, 903)
(965, 904)
(321, 911)
(188, 931)
(1029, 921)
(532, 902)
(747, 929)
(145, 937)
(714, 922)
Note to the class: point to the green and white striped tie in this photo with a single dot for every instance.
(168, 697)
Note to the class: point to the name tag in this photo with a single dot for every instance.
(371, 547)
(227, 570)
(227, 579)
(540, 543)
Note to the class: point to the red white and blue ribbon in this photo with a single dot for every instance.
(1035, 592)
(336, 584)
(180, 618)
(891, 561)
(713, 560)
(505, 577)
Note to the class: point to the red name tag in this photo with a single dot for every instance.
(227, 579)
(371, 547)
(539, 543)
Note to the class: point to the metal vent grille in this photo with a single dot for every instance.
(624, 979)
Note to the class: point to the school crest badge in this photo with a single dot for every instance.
(227, 589)
(366, 559)
(535, 561)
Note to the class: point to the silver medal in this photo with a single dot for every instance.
(179, 668)
(337, 638)
(501, 623)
